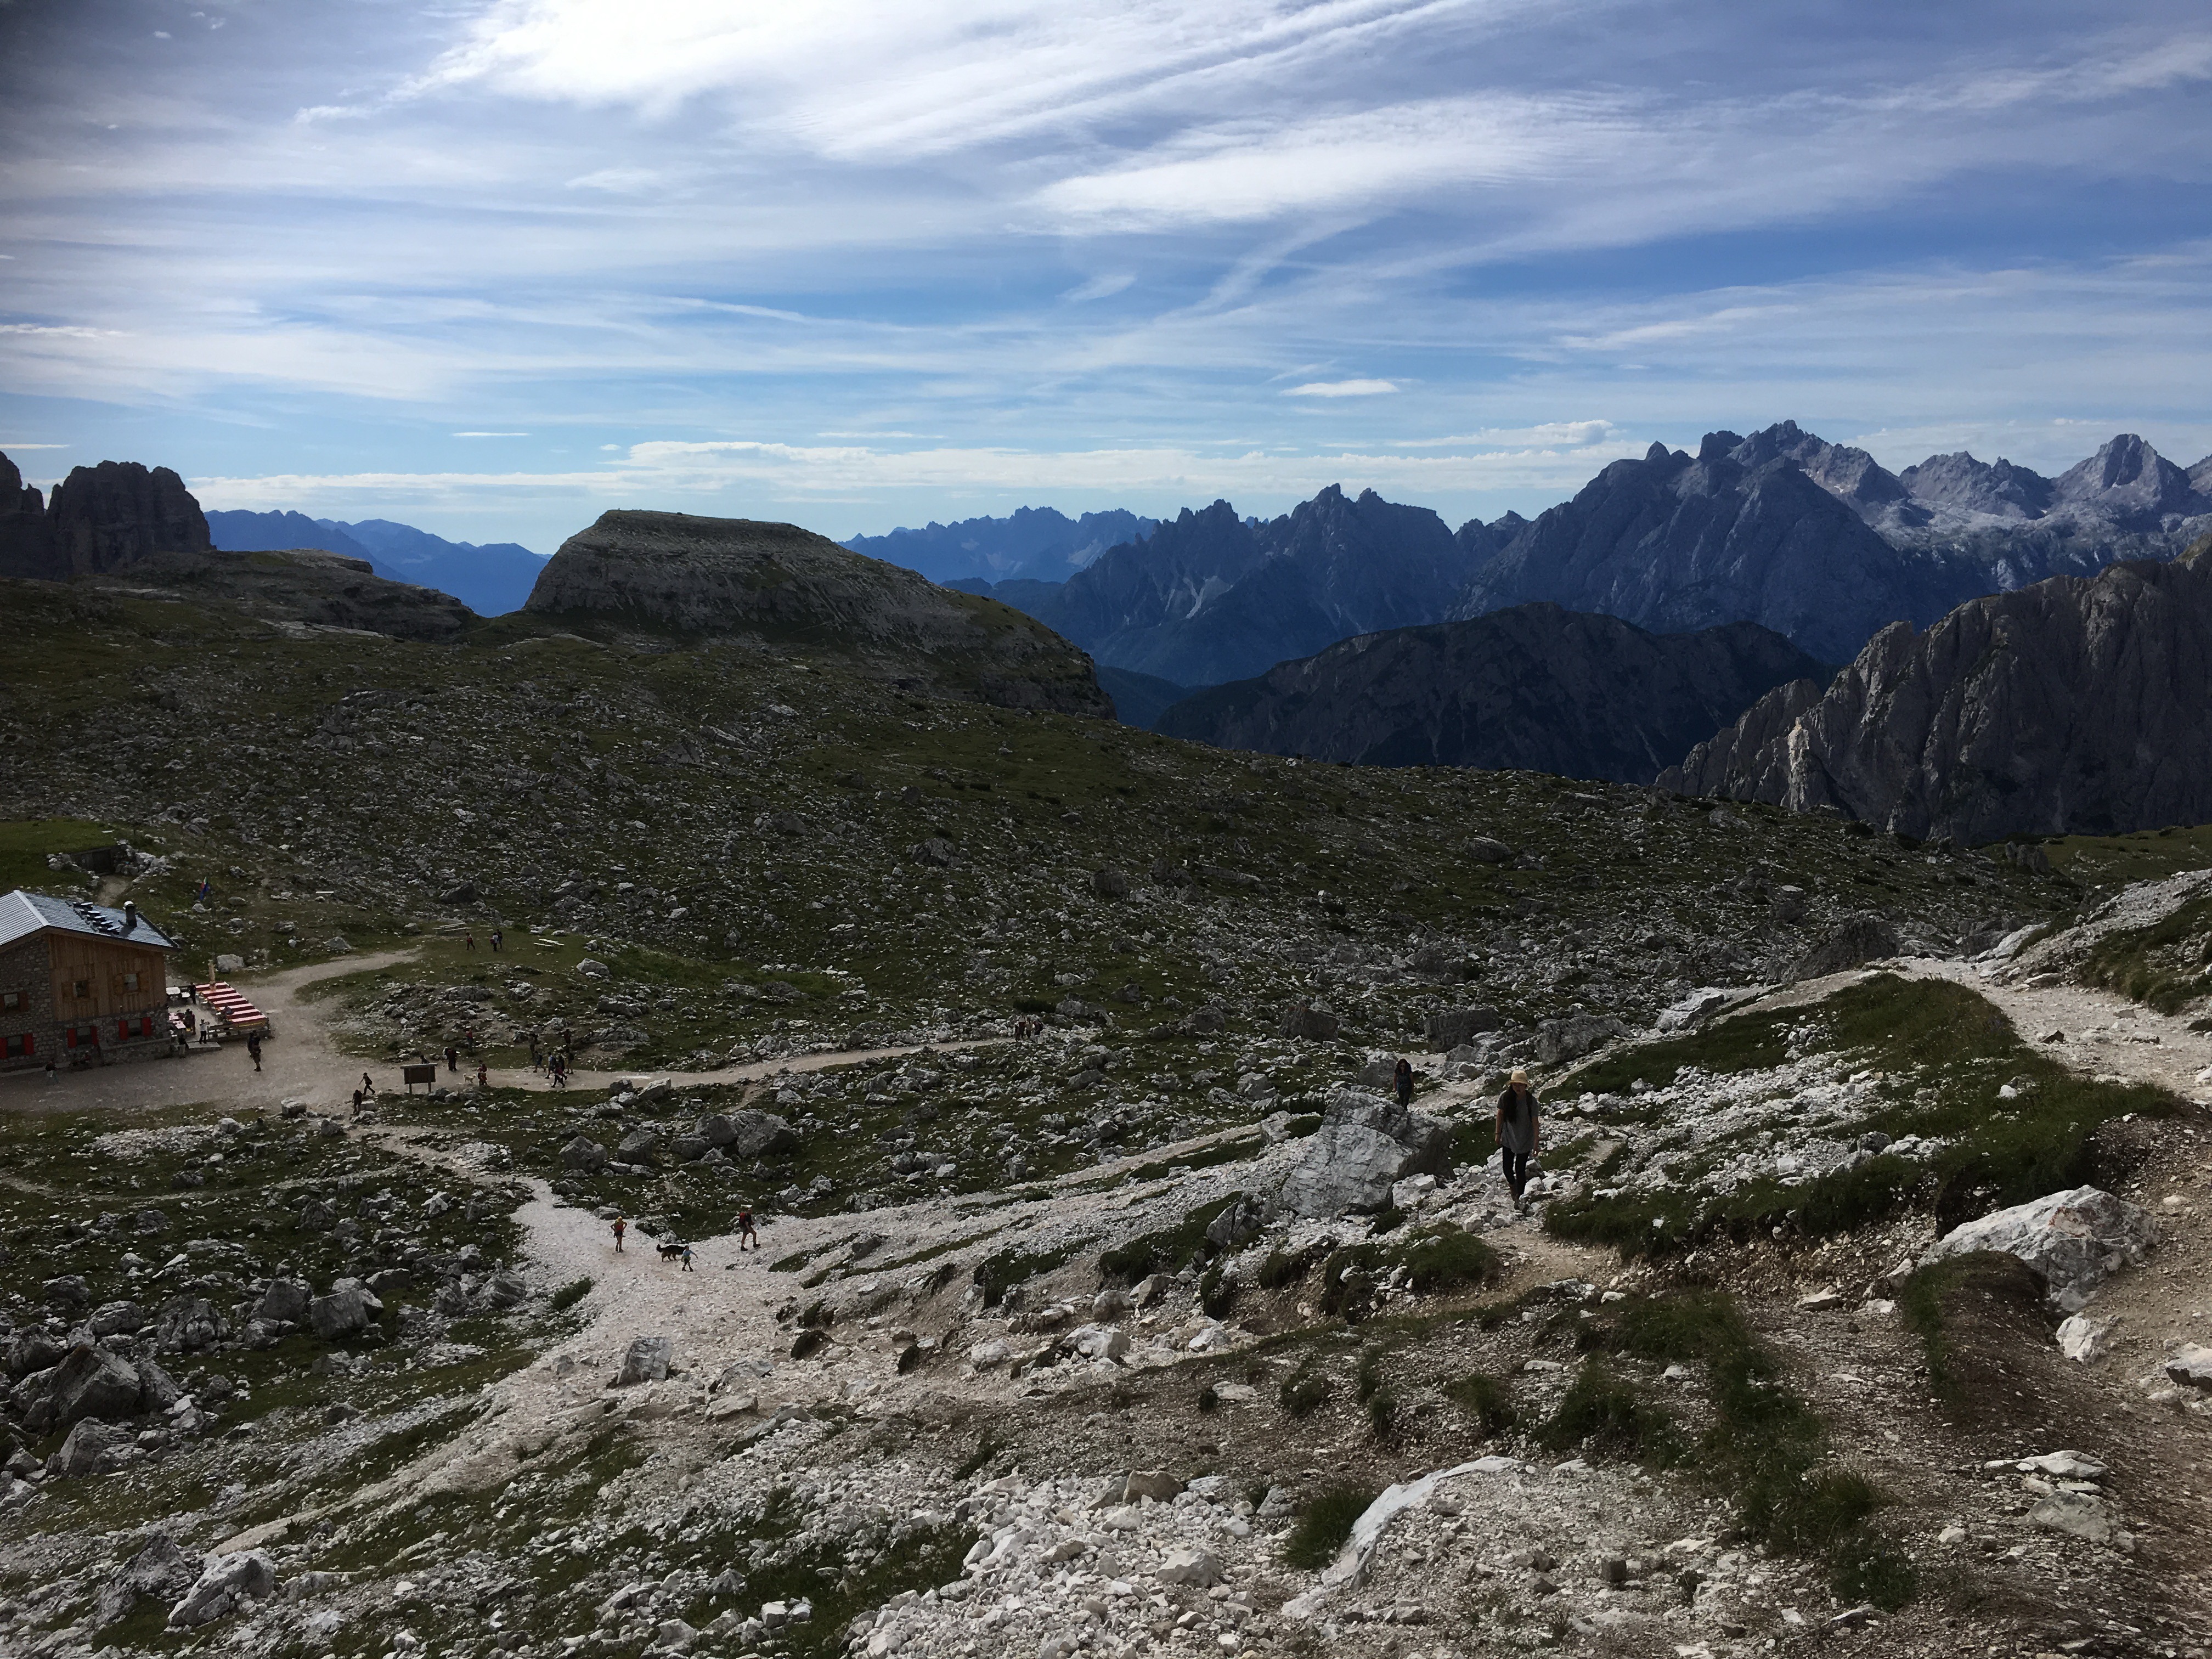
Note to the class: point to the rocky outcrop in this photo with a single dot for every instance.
(676, 573)
(2070, 706)
(1536, 687)
(303, 588)
(101, 518)
(2076, 1239)
(119, 513)
(27, 543)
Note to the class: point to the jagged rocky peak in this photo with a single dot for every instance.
(100, 518)
(699, 575)
(2128, 479)
(1962, 484)
(1851, 475)
(119, 513)
(2051, 710)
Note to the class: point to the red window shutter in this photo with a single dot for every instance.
(68, 1037)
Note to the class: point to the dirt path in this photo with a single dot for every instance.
(301, 1062)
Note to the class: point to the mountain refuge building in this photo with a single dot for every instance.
(80, 982)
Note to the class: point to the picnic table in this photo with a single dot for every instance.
(232, 1009)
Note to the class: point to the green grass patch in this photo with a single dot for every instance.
(1000, 1271)
(1486, 1399)
(1603, 1413)
(1324, 1525)
(1942, 1052)
(2166, 966)
(569, 1294)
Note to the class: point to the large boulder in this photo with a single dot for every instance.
(1365, 1145)
(646, 1361)
(639, 1146)
(348, 1311)
(187, 1324)
(584, 1156)
(1558, 1041)
(2076, 1239)
(162, 1572)
(81, 1452)
(1302, 1019)
(285, 1300)
(757, 1134)
(31, 1349)
(227, 1580)
(89, 1382)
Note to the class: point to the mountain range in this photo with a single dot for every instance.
(1037, 544)
(1816, 541)
(491, 579)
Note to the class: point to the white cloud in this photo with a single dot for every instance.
(1099, 288)
(4, 446)
(1341, 389)
(491, 434)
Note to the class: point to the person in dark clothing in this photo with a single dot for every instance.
(1402, 1081)
(452, 1058)
(498, 939)
(1517, 1132)
(253, 1049)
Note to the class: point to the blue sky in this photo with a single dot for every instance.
(492, 266)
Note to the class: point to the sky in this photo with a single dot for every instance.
(492, 267)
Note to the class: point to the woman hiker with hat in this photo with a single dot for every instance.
(1517, 1132)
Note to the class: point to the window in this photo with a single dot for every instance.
(10, 1001)
(80, 988)
(23, 1047)
(130, 982)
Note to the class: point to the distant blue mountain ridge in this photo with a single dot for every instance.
(1034, 544)
(491, 578)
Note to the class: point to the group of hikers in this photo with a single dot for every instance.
(679, 1252)
(1514, 1129)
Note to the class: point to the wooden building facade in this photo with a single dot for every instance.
(80, 983)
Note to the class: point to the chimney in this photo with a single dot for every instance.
(129, 917)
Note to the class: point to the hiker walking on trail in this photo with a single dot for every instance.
(1402, 1081)
(497, 938)
(745, 1228)
(621, 1227)
(1517, 1132)
(686, 1258)
(472, 941)
(452, 1058)
(484, 1075)
(253, 1049)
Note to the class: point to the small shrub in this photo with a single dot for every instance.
(1208, 1401)
(1347, 1277)
(1603, 1413)
(569, 1294)
(1867, 1566)
(1169, 1250)
(1283, 1268)
(1486, 1399)
(1302, 1393)
(1217, 1293)
(1448, 1257)
(1324, 1525)
(1383, 1414)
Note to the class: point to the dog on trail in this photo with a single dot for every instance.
(669, 1251)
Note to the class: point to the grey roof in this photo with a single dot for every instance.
(23, 912)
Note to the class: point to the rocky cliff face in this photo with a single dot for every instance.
(299, 588)
(1032, 543)
(25, 538)
(101, 518)
(1673, 543)
(1534, 688)
(1209, 596)
(116, 514)
(2072, 706)
(695, 575)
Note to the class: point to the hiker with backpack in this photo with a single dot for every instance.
(1517, 1132)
